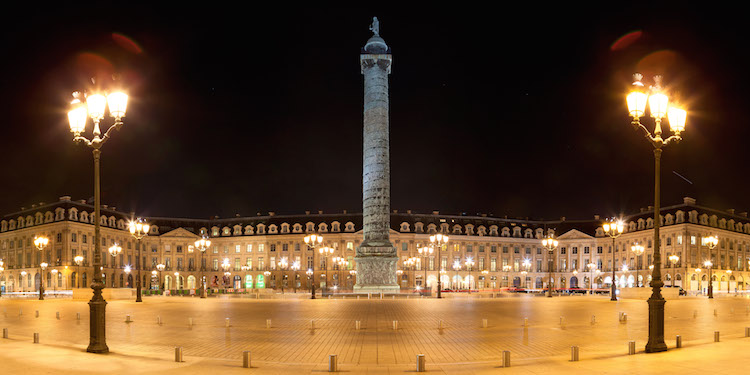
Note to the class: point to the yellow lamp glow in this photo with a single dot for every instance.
(96, 104)
(118, 103)
(658, 103)
(77, 117)
(637, 104)
(677, 118)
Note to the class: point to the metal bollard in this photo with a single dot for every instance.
(57, 315)
(36, 313)
(525, 322)
(369, 295)
(36, 338)
(127, 319)
(226, 322)
(695, 313)
(747, 331)
(678, 341)
(357, 325)
(484, 323)
(506, 358)
(631, 347)
(246, 359)
(420, 363)
(312, 323)
(393, 297)
(268, 323)
(562, 320)
(158, 320)
(593, 319)
(357, 298)
(78, 316)
(716, 313)
(395, 324)
(440, 324)
(5, 333)
(190, 322)
(716, 336)
(178, 354)
(20, 312)
(573, 353)
(381, 295)
(332, 365)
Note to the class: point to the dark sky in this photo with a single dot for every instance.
(517, 113)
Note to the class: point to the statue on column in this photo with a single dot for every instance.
(375, 27)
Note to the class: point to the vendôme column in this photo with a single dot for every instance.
(376, 257)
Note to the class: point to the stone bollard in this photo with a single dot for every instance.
(381, 295)
(747, 331)
(369, 295)
(158, 320)
(631, 347)
(716, 313)
(20, 312)
(395, 324)
(440, 324)
(420, 363)
(484, 323)
(678, 341)
(312, 323)
(226, 322)
(393, 297)
(357, 298)
(36, 338)
(357, 325)
(178, 354)
(5, 333)
(695, 313)
(593, 319)
(268, 323)
(506, 358)
(78, 316)
(716, 336)
(127, 319)
(246, 359)
(36, 313)
(332, 363)
(623, 317)
(562, 320)
(573, 353)
(57, 315)
(190, 322)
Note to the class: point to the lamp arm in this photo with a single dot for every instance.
(116, 126)
(675, 138)
(82, 139)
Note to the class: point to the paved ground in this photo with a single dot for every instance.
(462, 346)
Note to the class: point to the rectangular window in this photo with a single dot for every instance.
(261, 263)
(574, 250)
(237, 248)
(679, 239)
(599, 250)
(562, 250)
(249, 248)
(237, 264)
(154, 262)
(215, 265)
(179, 264)
(296, 246)
(272, 247)
(59, 237)
(493, 264)
(167, 248)
(692, 240)
(669, 241)
(538, 266)
(516, 250)
(444, 263)
(168, 262)
(272, 263)
(481, 264)
(310, 262)
(538, 251)
(404, 246)
(73, 238)
(505, 249)
(586, 250)
(154, 249)
(493, 249)
(179, 248)
(84, 238)
(481, 248)
(469, 248)
(350, 245)
(261, 247)
(285, 247)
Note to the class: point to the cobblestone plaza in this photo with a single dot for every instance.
(290, 340)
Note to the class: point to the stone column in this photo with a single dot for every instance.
(376, 257)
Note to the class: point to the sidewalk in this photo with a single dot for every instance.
(19, 357)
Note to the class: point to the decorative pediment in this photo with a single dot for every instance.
(179, 232)
(574, 234)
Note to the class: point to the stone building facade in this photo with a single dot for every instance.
(262, 241)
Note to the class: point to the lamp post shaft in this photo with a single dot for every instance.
(656, 302)
(97, 304)
(549, 267)
(710, 283)
(613, 296)
(440, 276)
(138, 272)
(41, 280)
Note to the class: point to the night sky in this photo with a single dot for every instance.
(516, 113)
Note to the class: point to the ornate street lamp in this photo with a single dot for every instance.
(54, 280)
(507, 268)
(613, 229)
(160, 267)
(202, 245)
(225, 266)
(638, 251)
(709, 264)
(267, 274)
(711, 242)
(310, 274)
(41, 242)
(114, 251)
(526, 268)
(127, 272)
(325, 251)
(295, 267)
(729, 274)
(439, 240)
(591, 266)
(94, 107)
(312, 241)
(550, 244)
(138, 229)
(469, 264)
(283, 264)
(659, 106)
(23, 275)
(78, 260)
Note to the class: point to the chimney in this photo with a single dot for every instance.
(562, 218)
(408, 212)
(33, 205)
(395, 211)
(688, 200)
(643, 210)
(271, 213)
(731, 211)
(436, 212)
(104, 206)
(65, 198)
(320, 212)
(596, 217)
(650, 208)
(307, 212)
(743, 214)
(344, 212)
(484, 215)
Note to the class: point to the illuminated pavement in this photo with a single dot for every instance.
(462, 346)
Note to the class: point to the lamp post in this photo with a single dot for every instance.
(202, 245)
(658, 103)
(613, 229)
(729, 274)
(353, 276)
(674, 259)
(708, 264)
(312, 241)
(550, 244)
(138, 229)
(469, 264)
(225, 266)
(711, 242)
(23, 275)
(42, 267)
(484, 275)
(114, 250)
(154, 275)
(526, 268)
(160, 267)
(127, 272)
(1, 271)
(41, 242)
(78, 260)
(283, 264)
(408, 263)
(310, 274)
(325, 251)
(425, 251)
(336, 263)
(94, 107)
(244, 270)
(507, 268)
(439, 240)
(591, 266)
(638, 251)
(295, 267)
(266, 274)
